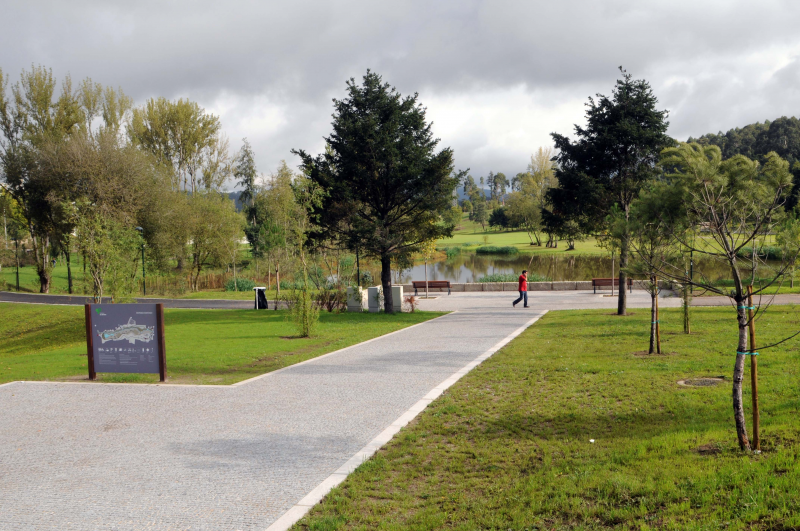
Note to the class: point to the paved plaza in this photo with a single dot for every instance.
(90, 456)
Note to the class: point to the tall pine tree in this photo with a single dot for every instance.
(385, 185)
(609, 162)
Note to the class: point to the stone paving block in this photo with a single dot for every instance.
(129, 457)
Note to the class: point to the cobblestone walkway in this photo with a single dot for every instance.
(128, 457)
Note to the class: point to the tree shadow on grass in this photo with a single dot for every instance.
(595, 426)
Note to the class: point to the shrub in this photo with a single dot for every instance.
(512, 277)
(366, 278)
(286, 284)
(242, 284)
(305, 313)
(493, 249)
(411, 302)
(452, 252)
(332, 300)
(767, 252)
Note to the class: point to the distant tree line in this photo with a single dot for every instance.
(85, 171)
(756, 141)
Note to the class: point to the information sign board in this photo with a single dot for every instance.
(125, 338)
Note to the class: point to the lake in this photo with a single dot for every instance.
(471, 267)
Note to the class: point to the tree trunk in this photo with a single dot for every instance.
(622, 302)
(386, 283)
(43, 268)
(738, 376)
(753, 370)
(69, 271)
(653, 319)
(277, 284)
(235, 284)
(657, 319)
(16, 256)
(426, 279)
(687, 329)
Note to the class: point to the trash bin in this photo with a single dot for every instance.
(261, 298)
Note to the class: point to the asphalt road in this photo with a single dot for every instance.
(80, 300)
(551, 300)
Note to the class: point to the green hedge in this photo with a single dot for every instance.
(512, 277)
(242, 284)
(768, 252)
(493, 249)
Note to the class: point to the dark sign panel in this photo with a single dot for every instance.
(125, 338)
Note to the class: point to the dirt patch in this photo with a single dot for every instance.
(709, 381)
(645, 354)
(626, 315)
(708, 449)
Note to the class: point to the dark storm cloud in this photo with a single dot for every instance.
(270, 68)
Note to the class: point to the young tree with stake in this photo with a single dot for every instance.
(736, 202)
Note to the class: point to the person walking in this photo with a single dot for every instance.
(523, 289)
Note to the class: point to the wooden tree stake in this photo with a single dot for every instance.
(753, 369)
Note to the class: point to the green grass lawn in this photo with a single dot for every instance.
(219, 295)
(508, 447)
(203, 346)
(29, 280)
(471, 234)
(779, 287)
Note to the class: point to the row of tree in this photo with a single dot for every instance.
(655, 202)
(756, 141)
(83, 170)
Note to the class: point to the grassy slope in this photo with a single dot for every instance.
(471, 233)
(508, 446)
(203, 346)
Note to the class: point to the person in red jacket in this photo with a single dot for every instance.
(523, 289)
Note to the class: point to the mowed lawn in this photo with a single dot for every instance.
(471, 236)
(39, 342)
(508, 446)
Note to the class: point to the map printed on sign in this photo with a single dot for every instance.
(130, 332)
(125, 338)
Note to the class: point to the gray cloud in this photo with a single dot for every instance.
(496, 76)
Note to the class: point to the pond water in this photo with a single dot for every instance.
(471, 267)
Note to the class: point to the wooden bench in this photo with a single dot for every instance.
(602, 282)
(435, 284)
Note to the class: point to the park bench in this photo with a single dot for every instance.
(601, 282)
(432, 284)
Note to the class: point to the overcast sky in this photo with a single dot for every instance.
(497, 77)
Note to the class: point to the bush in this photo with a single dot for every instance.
(493, 249)
(285, 284)
(305, 313)
(332, 300)
(767, 252)
(366, 278)
(452, 252)
(242, 284)
(512, 277)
